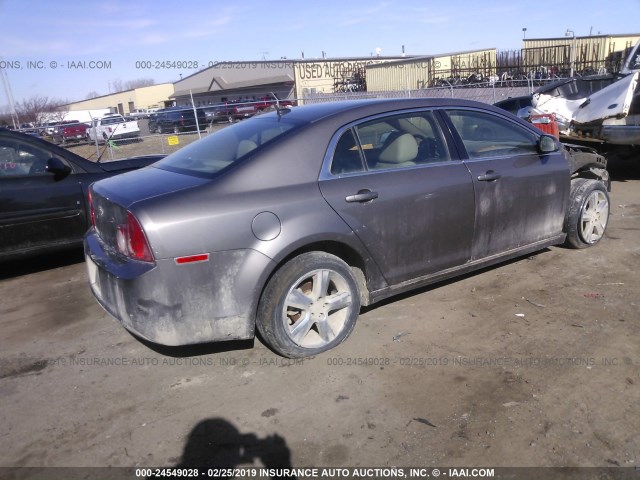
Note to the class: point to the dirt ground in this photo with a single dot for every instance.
(531, 363)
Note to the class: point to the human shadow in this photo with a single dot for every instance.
(215, 443)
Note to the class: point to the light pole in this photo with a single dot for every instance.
(524, 33)
(571, 33)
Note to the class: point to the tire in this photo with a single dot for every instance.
(310, 305)
(588, 213)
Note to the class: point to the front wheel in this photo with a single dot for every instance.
(588, 213)
(309, 306)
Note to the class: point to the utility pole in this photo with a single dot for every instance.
(9, 94)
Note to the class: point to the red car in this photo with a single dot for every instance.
(69, 133)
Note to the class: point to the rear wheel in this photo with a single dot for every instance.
(588, 213)
(309, 306)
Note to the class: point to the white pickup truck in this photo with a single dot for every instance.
(112, 127)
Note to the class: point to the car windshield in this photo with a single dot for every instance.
(218, 150)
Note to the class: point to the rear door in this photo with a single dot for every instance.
(393, 180)
(520, 194)
(36, 208)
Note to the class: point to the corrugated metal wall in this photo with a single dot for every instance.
(424, 72)
(405, 75)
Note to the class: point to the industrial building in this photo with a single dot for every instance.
(154, 96)
(583, 55)
(246, 81)
(540, 58)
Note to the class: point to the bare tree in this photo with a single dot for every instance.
(5, 116)
(120, 86)
(5, 119)
(138, 83)
(92, 94)
(34, 109)
(116, 86)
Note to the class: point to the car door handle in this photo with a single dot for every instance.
(362, 196)
(490, 176)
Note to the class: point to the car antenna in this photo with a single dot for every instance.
(281, 110)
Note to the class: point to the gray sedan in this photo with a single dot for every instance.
(289, 222)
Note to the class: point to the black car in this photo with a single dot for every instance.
(177, 120)
(514, 104)
(43, 193)
(153, 118)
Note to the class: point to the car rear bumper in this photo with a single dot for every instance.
(171, 304)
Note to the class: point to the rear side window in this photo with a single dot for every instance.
(486, 136)
(218, 150)
(346, 157)
(396, 141)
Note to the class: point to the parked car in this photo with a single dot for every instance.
(217, 114)
(602, 107)
(179, 119)
(49, 127)
(69, 133)
(43, 188)
(142, 112)
(268, 101)
(514, 104)
(113, 127)
(152, 124)
(233, 111)
(291, 221)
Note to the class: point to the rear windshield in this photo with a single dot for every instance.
(218, 150)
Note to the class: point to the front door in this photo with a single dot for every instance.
(520, 194)
(36, 208)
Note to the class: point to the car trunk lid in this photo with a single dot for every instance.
(138, 185)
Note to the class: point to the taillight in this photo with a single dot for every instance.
(91, 210)
(131, 240)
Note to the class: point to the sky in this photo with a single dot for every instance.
(67, 49)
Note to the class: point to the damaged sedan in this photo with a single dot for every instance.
(602, 107)
(288, 223)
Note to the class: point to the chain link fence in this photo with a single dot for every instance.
(485, 93)
(153, 144)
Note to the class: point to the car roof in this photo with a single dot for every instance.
(315, 112)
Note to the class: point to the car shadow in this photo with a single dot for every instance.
(40, 263)
(443, 283)
(198, 349)
(624, 169)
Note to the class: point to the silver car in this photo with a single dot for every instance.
(289, 222)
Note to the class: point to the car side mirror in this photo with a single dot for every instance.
(548, 144)
(57, 167)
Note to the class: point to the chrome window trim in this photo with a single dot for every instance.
(535, 133)
(325, 171)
